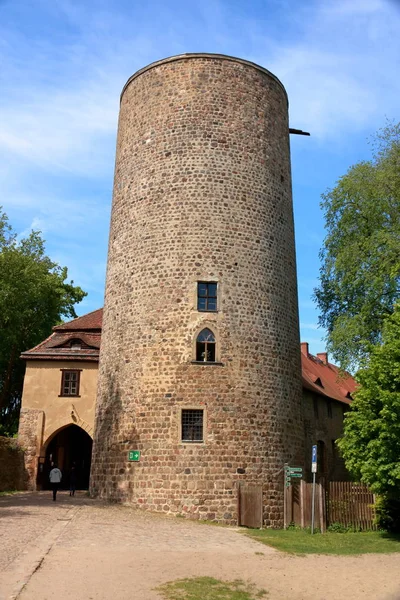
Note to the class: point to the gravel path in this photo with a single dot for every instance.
(78, 548)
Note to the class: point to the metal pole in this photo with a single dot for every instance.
(313, 504)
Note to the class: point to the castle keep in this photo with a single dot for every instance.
(200, 357)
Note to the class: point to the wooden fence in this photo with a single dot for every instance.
(344, 502)
(350, 504)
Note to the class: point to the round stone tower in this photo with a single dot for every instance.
(200, 357)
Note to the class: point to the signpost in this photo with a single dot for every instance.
(313, 471)
(289, 474)
(134, 455)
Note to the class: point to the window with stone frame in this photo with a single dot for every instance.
(70, 380)
(205, 346)
(192, 425)
(207, 296)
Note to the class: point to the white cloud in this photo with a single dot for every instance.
(340, 71)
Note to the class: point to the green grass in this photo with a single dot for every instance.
(208, 588)
(8, 492)
(300, 541)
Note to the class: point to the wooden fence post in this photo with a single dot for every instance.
(302, 499)
(322, 505)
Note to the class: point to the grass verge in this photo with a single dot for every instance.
(8, 492)
(300, 541)
(208, 588)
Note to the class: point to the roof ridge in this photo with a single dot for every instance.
(64, 325)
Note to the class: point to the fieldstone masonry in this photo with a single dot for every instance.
(30, 436)
(202, 192)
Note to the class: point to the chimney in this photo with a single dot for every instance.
(304, 348)
(323, 357)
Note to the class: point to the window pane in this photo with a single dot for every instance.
(206, 335)
(70, 381)
(212, 289)
(211, 352)
(200, 351)
(192, 425)
(212, 304)
(202, 304)
(202, 289)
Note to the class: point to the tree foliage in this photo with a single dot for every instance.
(359, 277)
(371, 441)
(34, 296)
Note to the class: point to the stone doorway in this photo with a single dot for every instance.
(71, 445)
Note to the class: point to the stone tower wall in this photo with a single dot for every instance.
(202, 192)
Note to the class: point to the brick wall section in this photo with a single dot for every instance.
(12, 476)
(320, 425)
(30, 434)
(202, 192)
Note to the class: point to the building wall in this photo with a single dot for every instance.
(202, 192)
(324, 425)
(44, 412)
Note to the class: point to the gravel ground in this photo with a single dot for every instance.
(78, 548)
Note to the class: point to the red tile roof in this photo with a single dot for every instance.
(324, 378)
(87, 329)
(92, 320)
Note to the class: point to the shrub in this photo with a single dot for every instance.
(388, 513)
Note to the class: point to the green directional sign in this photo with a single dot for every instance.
(134, 455)
(295, 469)
(296, 474)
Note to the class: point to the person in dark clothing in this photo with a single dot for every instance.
(55, 480)
(72, 480)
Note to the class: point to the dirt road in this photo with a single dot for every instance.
(78, 548)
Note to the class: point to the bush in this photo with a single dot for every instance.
(388, 513)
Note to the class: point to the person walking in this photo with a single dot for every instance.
(55, 480)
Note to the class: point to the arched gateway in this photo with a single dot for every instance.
(67, 447)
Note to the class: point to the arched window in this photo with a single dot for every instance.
(205, 346)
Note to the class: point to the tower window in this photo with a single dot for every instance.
(206, 296)
(192, 425)
(205, 346)
(70, 383)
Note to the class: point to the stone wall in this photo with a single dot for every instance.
(30, 436)
(12, 474)
(202, 192)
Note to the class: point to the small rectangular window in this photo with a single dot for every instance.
(192, 425)
(70, 383)
(207, 296)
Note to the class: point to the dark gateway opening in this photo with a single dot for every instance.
(71, 446)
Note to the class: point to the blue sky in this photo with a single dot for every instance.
(64, 63)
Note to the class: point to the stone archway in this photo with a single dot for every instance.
(70, 445)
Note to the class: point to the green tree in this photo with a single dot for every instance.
(34, 296)
(371, 442)
(359, 277)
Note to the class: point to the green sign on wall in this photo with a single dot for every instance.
(134, 455)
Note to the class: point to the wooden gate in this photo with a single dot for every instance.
(298, 502)
(250, 505)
